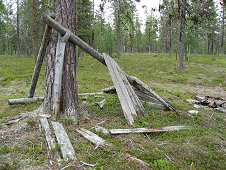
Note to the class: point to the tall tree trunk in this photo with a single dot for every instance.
(118, 42)
(170, 36)
(35, 29)
(222, 28)
(182, 28)
(17, 30)
(69, 99)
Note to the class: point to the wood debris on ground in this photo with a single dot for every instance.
(216, 103)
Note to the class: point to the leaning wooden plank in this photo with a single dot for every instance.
(139, 108)
(147, 130)
(123, 95)
(39, 60)
(24, 100)
(84, 46)
(58, 71)
(65, 144)
(49, 139)
(92, 137)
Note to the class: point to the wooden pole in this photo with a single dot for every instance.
(84, 46)
(39, 61)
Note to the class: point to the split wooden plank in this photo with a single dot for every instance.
(139, 130)
(66, 147)
(135, 100)
(49, 139)
(39, 60)
(124, 97)
(61, 44)
(84, 46)
(24, 100)
(92, 137)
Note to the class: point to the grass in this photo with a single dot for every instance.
(202, 147)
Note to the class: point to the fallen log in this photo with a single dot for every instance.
(41, 98)
(24, 100)
(142, 130)
(92, 137)
(80, 43)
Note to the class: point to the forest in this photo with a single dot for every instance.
(105, 84)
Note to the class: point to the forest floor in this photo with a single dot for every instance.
(201, 147)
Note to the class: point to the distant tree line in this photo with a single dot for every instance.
(183, 27)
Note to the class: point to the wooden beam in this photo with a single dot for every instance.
(39, 61)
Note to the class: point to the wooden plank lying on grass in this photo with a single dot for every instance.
(66, 147)
(46, 128)
(142, 130)
(92, 137)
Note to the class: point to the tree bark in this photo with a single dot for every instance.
(65, 15)
(35, 29)
(222, 28)
(182, 11)
(118, 45)
(17, 29)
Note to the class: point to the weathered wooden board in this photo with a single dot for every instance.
(92, 137)
(24, 100)
(39, 61)
(59, 62)
(147, 130)
(46, 128)
(102, 129)
(124, 97)
(65, 144)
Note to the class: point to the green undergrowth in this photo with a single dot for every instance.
(201, 147)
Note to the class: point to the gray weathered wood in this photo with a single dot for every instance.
(124, 97)
(24, 100)
(135, 100)
(143, 164)
(77, 41)
(147, 130)
(39, 61)
(92, 137)
(65, 144)
(46, 128)
(58, 71)
(102, 129)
